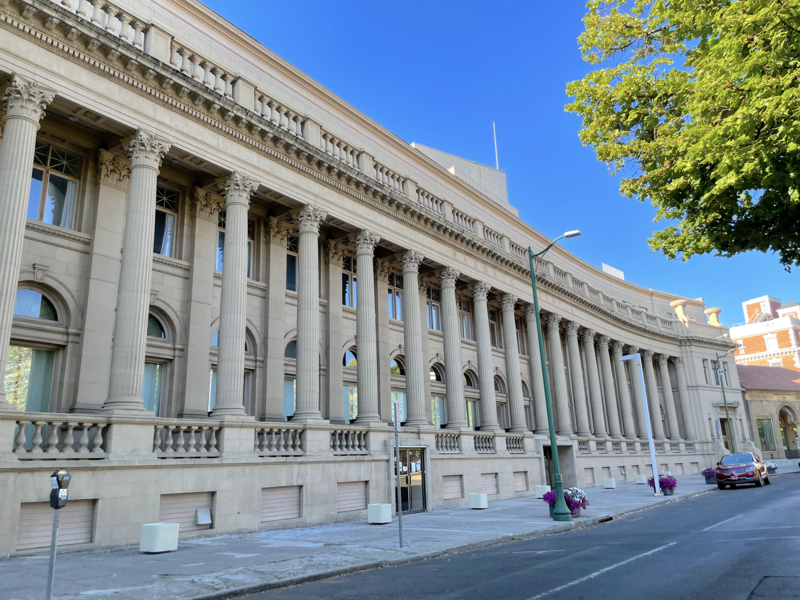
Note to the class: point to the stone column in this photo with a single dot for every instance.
(24, 102)
(595, 394)
(576, 373)
(652, 396)
(535, 363)
(334, 337)
(669, 401)
(557, 376)
(480, 291)
(683, 397)
(366, 336)
(608, 387)
(412, 338)
(515, 398)
(133, 301)
(277, 234)
(628, 425)
(456, 409)
(233, 302)
(308, 335)
(638, 399)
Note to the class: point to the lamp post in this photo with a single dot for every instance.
(638, 358)
(720, 376)
(560, 512)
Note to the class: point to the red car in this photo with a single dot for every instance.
(744, 467)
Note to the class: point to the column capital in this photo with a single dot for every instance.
(365, 241)
(238, 188)
(677, 361)
(26, 99)
(571, 328)
(553, 319)
(508, 302)
(335, 252)
(632, 350)
(207, 204)
(382, 268)
(588, 336)
(647, 355)
(617, 346)
(113, 170)
(411, 261)
(147, 149)
(480, 290)
(278, 231)
(448, 277)
(530, 312)
(662, 359)
(309, 218)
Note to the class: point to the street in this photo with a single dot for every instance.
(734, 544)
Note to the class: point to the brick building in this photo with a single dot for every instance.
(770, 335)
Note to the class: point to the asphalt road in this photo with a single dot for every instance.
(733, 544)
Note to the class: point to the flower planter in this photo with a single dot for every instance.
(668, 491)
(772, 470)
(711, 480)
(575, 513)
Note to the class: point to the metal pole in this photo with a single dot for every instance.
(397, 463)
(656, 486)
(53, 544)
(720, 375)
(560, 512)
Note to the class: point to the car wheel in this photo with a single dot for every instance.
(759, 481)
(721, 486)
(767, 481)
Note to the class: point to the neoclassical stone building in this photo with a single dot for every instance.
(218, 278)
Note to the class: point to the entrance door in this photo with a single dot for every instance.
(726, 439)
(548, 465)
(412, 480)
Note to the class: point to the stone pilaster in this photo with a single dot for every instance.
(480, 309)
(652, 396)
(595, 393)
(145, 151)
(628, 425)
(515, 398)
(24, 103)
(614, 428)
(669, 401)
(416, 370)
(535, 363)
(334, 336)
(576, 373)
(233, 302)
(557, 376)
(683, 397)
(366, 333)
(308, 334)
(456, 409)
(638, 399)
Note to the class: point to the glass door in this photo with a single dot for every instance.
(412, 480)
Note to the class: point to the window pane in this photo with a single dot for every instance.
(291, 272)
(350, 359)
(212, 391)
(390, 298)
(30, 303)
(349, 403)
(220, 248)
(35, 196)
(289, 397)
(291, 350)
(250, 259)
(399, 397)
(65, 162)
(437, 411)
(437, 324)
(40, 154)
(28, 377)
(399, 306)
(154, 328)
(164, 233)
(345, 289)
(151, 387)
(471, 414)
(59, 205)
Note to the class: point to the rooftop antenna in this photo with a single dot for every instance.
(496, 159)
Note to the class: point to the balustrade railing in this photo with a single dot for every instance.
(350, 441)
(660, 447)
(616, 447)
(583, 447)
(338, 149)
(110, 18)
(518, 251)
(282, 116)
(515, 444)
(645, 447)
(484, 444)
(631, 447)
(690, 447)
(43, 436)
(186, 440)
(560, 274)
(602, 447)
(651, 320)
(674, 447)
(430, 201)
(279, 441)
(385, 176)
(491, 236)
(463, 220)
(448, 443)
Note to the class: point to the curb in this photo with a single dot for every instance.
(379, 564)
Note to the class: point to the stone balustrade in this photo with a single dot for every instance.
(630, 447)
(583, 447)
(463, 220)
(660, 447)
(674, 447)
(484, 444)
(616, 447)
(110, 18)
(279, 441)
(76, 436)
(181, 439)
(430, 201)
(515, 444)
(491, 236)
(518, 251)
(338, 149)
(281, 116)
(350, 441)
(385, 176)
(645, 446)
(690, 447)
(448, 443)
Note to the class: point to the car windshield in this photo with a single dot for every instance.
(735, 459)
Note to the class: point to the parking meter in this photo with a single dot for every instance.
(59, 482)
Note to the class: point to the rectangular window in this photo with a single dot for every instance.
(349, 403)
(472, 414)
(400, 397)
(289, 398)
(151, 386)
(28, 378)
(166, 217)
(495, 335)
(291, 263)
(772, 342)
(437, 412)
(705, 370)
(221, 244)
(714, 369)
(395, 297)
(54, 186)
(724, 372)
(349, 282)
(522, 345)
(765, 434)
(465, 318)
(434, 309)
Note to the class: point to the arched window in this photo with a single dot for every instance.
(499, 386)
(291, 350)
(154, 328)
(350, 359)
(215, 343)
(525, 392)
(32, 304)
(470, 381)
(436, 374)
(396, 368)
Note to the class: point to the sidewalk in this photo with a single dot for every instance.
(220, 565)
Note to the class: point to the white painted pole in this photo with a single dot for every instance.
(397, 463)
(638, 358)
(53, 545)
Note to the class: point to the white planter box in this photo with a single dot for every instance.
(478, 501)
(640, 479)
(541, 490)
(159, 537)
(609, 483)
(379, 514)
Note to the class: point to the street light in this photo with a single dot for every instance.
(720, 375)
(560, 512)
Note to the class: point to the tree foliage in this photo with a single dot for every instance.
(696, 103)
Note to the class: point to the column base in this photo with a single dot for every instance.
(308, 417)
(420, 423)
(518, 430)
(490, 428)
(233, 418)
(230, 412)
(458, 426)
(367, 419)
(615, 436)
(125, 405)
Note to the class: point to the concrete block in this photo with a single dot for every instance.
(478, 501)
(609, 483)
(641, 479)
(159, 537)
(379, 514)
(541, 490)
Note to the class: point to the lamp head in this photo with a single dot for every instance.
(630, 357)
(573, 233)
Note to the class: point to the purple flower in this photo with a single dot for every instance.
(574, 497)
(665, 482)
(709, 472)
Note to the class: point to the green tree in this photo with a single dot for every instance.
(696, 104)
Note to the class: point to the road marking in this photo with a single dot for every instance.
(721, 522)
(537, 551)
(601, 571)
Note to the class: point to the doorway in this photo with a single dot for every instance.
(548, 466)
(412, 480)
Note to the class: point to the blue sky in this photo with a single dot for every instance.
(439, 72)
